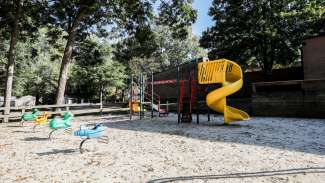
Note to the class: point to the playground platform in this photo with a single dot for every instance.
(160, 150)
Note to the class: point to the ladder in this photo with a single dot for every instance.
(186, 103)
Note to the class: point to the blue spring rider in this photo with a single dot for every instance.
(91, 133)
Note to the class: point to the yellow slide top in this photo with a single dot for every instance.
(230, 75)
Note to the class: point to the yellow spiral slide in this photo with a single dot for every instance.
(230, 75)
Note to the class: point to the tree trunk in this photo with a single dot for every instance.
(101, 92)
(67, 57)
(65, 67)
(267, 60)
(12, 58)
(37, 102)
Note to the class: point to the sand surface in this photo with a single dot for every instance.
(159, 150)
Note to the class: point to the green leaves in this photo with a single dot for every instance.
(94, 70)
(159, 52)
(261, 32)
(37, 68)
(50, 29)
(178, 15)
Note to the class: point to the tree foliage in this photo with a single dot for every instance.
(261, 32)
(94, 71)
(161, 51)
(38, 63)
(52, 35)
(16, 17)
(81, 17)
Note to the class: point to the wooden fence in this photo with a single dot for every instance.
(76, 109)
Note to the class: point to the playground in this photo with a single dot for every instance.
(160, 150)
(161, 91)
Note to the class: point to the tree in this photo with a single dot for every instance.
(261, 32)
(16, 17)
(37, 67)
(80, 17)
(14, 27)
(94, 73)
(161, 51)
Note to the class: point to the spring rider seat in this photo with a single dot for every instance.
(30, 116)
(64, 123)
(41, 120)
(96, 132)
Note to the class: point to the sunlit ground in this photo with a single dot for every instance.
(160, 150)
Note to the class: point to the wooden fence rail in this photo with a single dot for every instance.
(87, 108)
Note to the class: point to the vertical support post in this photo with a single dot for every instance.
(131, 97)
(101, 99)
(198, 92)
(152, 93)
(197, 116)
(141, 96)
(197, 111)
(178, 95)
(143, 100)
(208, 114)
(23, 110)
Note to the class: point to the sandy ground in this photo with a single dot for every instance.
(160, 150)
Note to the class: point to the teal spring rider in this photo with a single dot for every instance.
(30, 116)
(96, 132)
(64, 123)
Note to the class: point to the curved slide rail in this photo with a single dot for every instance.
(230, 75)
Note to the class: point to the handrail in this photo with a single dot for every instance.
(148, 95)
(154, 94)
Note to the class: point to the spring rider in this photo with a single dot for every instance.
(95, 132)
(41, 120)
(30, 116)
(64, 123)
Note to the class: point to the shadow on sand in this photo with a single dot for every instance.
(58, 151)
(297, 171)
(259, 134)
(35, 139)
(15, 126)
(21, 131)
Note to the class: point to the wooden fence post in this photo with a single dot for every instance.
(101, 108)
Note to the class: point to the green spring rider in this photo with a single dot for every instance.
(30, 116)
(64, 123)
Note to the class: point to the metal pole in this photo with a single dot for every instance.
(131, 97)
(152, 93)
(101, 98)
(139, 94)
(178, 95)
(197, 110)
(197, 116)
(142, 97)
(198, 91)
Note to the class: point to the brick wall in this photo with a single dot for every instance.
(314, 58)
